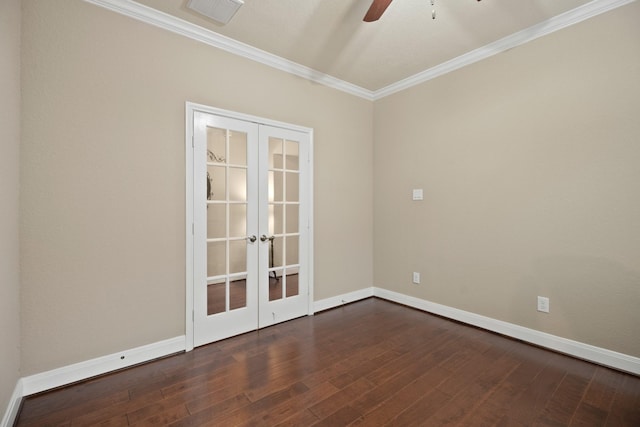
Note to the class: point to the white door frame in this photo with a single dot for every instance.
(189, 200)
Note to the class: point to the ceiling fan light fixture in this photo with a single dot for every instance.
(378, 7)
(219, 10)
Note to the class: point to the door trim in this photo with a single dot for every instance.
(190, 109)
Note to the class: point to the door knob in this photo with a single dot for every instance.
(264, 238)
(252, 238)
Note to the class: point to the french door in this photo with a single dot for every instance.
(251, 225)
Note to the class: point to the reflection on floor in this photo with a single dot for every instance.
(238, 293)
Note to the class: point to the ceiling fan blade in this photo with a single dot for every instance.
(376, 10)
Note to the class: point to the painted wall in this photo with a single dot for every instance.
(102, 210)
(530, 165)
(528, 161)
(9, 177)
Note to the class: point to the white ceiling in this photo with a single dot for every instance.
(329, 35)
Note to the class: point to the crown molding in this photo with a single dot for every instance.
(179, 26)
(571, 17)
(176, 25)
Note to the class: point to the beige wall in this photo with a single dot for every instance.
(9, 175)
(528, 161)
(102, 211)
(530, 164)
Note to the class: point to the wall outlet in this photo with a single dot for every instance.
(543, 304)
(416, 277)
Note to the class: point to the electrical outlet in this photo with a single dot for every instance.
(543, 304)
(416, 277)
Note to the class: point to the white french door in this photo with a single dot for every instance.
(251, 225)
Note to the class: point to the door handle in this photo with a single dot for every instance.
(252, 238)
(264, 238)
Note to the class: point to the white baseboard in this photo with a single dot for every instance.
(327, 303)
(14, 406)
(577, 349)
(101, 365)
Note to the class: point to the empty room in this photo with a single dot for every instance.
(320, 212)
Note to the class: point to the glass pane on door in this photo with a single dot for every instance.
(216, 258)
(291, 198)
(284, 210)
(276, 252)
(238, 184)
(216, 296)
(226, 160)
(216, 145)
(238, 220)
(292, 218)
(275, 153)
(292, 283)
(292, 151)
(276, 219)
(276, 180)
(237, 256)
(275, 284)
(237, 148)
(292, 250)
(216, 221)
(216, 183)
(292, 186)
(238, 292)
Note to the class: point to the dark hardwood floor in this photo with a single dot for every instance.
(370, 363)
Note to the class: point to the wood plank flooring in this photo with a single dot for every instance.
(371, 363)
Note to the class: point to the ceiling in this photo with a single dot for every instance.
(329, 35)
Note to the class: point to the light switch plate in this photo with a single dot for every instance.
(418, 194)
(543, 304)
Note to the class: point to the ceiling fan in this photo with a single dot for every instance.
(376, 10)
(378, 7)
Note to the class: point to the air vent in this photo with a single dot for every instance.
(218, 10)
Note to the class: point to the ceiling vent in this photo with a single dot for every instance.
(219, 10)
